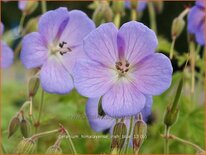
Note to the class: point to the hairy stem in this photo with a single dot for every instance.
(71, 142)
(39, 135)
(40, 111)
(133, 14)
(21, 23)
(43, 6)
(117, 18)
(172, 48)
(152, 15)
(129, 135)
(167, 132)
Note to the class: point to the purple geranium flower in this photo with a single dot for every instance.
(196, 21)
(141, 5)
(7, 56)
(100, 124)
(56, 47)
(122, 68)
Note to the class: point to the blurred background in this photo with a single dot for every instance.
(69, 110)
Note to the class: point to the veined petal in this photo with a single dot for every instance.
(92, 79)
(53, 23)
(101, 44)
(153, 75)
(97, 122)
(123, 99)
(78, 27)
(7, 56)
(34, 51)
(139, 40)
(55, 78)
(195, 19)
(71, 58)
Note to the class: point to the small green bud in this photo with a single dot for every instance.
(33, 86)
(30, 7)
(159, 5)
(24, 126)
(172, 111)
(31, 25)
(171, 116)
(118, 7)
(139, 134)
(119, 136)
(26, 146)
(103, 13)
(54, 150)
(134, 4)
(13, 126)
(100, 110)
(178, 25)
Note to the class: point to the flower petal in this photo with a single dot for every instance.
(53, 23)
(78, 27)
(101, 44)
(123, 99)
(146, 111)
(200, 34)
(55, 78)
(153, 74)
(96, 122)
(93, 79)
(140, 41)
(7, 55)
(195, 18)
(1, 28)
(141, 5)
(34, 51)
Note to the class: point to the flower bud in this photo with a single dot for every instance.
(26, 146)
(171, 116)
(134, 4)
(118, 7)
(24, 126)
(31, 25)
(33, 86)
(172, 111)
(139, 134)
(119, 136)
(30, 7)
(54, 150)
(159, 5)
(13, 126)
(102, 13)
(100, 110)
(178, 25)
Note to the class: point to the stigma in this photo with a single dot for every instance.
(62, 48)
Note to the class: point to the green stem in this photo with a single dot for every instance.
(71, 142)
(192, 62)
(36, 136)
(133, 14)
(40, 110)
(117, 18)
(167, 132)
(187, 142)
(43, 6)
(152, 16)
(129, 135)
(172, 48)
(21, 23)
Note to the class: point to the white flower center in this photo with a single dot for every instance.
(62, 48)
(122, 67)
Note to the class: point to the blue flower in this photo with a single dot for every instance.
(196, 21)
